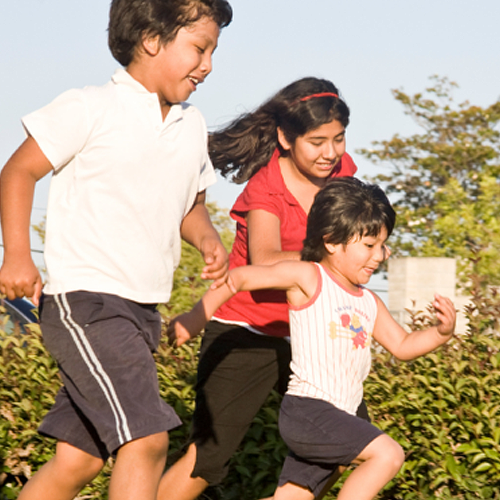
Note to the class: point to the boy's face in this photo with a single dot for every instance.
(185, 62)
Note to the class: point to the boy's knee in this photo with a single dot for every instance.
(75, 463)
(154, 447)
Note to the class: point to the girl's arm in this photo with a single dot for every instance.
(19, 276)
(406, 346)
(264, 239)
(299, 279)
(197, 229)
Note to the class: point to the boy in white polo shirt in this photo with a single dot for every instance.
(130, 169)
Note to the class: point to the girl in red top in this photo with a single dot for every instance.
(287, 150)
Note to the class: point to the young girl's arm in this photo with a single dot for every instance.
(264, 239)
(197, 229)
(19, 276)
(406, 346)
(299, 279)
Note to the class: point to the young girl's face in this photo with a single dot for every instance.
(353, 264)
(316, 153)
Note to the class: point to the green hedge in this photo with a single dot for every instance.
(443, 408)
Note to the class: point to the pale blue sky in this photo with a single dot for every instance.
(365, 47)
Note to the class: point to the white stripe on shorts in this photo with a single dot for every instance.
(95, 367)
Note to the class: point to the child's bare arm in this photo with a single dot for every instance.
(407, 346)
(19, 275)
(298, 278)
(197, 229)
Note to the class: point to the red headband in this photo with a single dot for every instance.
(322, 94)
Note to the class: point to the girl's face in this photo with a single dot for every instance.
(353, 264)
(316, 153)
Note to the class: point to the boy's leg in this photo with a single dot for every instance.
(138, 468)
(380, 462)
(63, 476)
(103, 345)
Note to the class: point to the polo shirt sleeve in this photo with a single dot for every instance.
(207, 172)
(207, 175)
(61, 128)
(257, 195)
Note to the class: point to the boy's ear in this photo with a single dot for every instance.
(282, 140)
(151, 44)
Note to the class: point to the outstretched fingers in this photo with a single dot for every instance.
(446, 314)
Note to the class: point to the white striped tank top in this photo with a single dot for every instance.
(331, 338)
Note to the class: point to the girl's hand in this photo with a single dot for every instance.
(183, 328)
(446, 315)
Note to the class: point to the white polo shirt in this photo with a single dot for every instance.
(123, 181)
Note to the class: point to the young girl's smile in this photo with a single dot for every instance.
(353, 264)
(316, 153)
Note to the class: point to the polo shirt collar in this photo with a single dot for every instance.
(123, 77)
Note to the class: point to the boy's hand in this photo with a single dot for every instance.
(183, 328)
(446, 315)
(21, 280)
(216, 259)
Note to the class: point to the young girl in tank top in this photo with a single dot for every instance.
(333, 320)
(286, 149)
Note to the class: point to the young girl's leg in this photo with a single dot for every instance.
(379, 462)
(63, 476)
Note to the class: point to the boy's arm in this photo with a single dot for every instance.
(406, 346)
(299, 279)
(19, 276)
(197, 229)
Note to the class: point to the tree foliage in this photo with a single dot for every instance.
(445, 181)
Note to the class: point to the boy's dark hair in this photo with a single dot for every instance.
(345, 208)
(131, 20)
(247, 144)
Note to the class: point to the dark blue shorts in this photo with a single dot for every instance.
(320, 437)
(103, 345)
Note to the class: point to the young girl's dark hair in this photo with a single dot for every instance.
(247, 144)
(131, 20)
(345, 208)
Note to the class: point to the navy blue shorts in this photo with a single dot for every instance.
(320, 437)
(103, 345)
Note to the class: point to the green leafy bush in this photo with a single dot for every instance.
(443, 408)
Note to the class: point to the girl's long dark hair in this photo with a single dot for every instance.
(345, 208)
(247, 144)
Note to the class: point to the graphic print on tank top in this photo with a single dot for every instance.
(350, 327)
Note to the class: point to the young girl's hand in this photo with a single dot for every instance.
(446, 315)
(183, 328)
